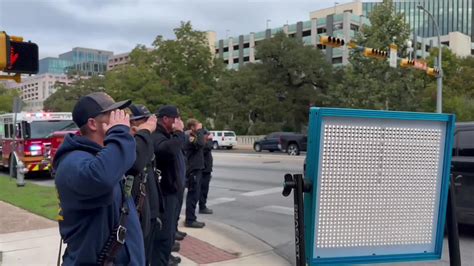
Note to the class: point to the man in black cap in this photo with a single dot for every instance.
(145, 189)
(168, 140)
(97, 217)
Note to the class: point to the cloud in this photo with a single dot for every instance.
(118, 25)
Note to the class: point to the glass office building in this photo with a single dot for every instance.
(87, 61)
(451, 16)
(53, 65)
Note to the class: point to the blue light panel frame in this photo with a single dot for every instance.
(316, 118)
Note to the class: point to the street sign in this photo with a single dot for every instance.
(379, 185)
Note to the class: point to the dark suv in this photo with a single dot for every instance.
(270, 142)
(463, 171)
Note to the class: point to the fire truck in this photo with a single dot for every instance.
(26, 144)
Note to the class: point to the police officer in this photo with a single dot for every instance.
(145, 190)
(98, 220)
(168, 140)
(206, 173)
(194, 150)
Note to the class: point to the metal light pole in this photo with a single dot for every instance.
(439, 97)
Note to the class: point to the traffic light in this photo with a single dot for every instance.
(407, 63)
(375, 53)
(331, 41)
(434, 72)
(4, 44)
(17, 56)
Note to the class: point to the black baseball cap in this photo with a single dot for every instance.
(94, 104)
(139, 111)
(168, 110)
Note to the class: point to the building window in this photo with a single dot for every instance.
(354, 27)
(246, 59)
(337, 26)
(445, 43)
(246, 45)
(236, 47)
(292, 35)
(321, 47)
(348, 10)
(337, 60)
(226, 62)
(321, 30)
(217, 50)
(427, 48)
(306, 33)
(236, 60)
(226, 49)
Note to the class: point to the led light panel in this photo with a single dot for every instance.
(379, 181)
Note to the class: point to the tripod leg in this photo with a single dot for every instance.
(452, 226)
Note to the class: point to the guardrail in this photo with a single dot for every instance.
(247, 140)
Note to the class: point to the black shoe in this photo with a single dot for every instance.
(178, 236)
(176, 247)
(175, 259)
(205, 210)
(184, 234)
(194, 224)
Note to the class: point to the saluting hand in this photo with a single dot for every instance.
(178, 124)
(149, 125)
(117, 117)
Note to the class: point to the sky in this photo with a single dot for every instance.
(57, 26)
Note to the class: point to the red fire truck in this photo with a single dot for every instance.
(28, 149)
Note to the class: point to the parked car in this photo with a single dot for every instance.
(293, 143)
(225, 139)
(463, 172)
(270, 142)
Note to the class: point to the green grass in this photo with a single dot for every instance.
(36, 199)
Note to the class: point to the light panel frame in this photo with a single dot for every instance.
(314, 156)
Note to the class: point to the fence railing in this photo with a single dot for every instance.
(247, 140)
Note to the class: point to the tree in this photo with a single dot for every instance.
(276, 93)
(6, 99)
(458, 88)
(370, 83)
(66, 96)
(181, 71)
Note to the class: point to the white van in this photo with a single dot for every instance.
(226, 139)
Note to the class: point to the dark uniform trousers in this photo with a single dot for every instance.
(205, 180)
(165, 238)
(193, 180)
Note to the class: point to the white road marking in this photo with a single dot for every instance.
(277, 209)
(216, 201)
(262, 192)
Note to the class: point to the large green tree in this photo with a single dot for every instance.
(371, 83)
(275, 93)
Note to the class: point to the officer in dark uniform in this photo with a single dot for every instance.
(206, 173)
(168, 141)
(145, 190)
(194, 150)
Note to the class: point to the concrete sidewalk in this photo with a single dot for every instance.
(216, 244)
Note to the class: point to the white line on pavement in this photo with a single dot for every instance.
(277, 209)
(262, 192)
(216, 201)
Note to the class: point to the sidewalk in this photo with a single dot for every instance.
(28, 239)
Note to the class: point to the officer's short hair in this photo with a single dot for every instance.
(191, 122)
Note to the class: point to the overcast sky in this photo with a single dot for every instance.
(119, 25)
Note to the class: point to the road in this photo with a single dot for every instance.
(246, 193)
